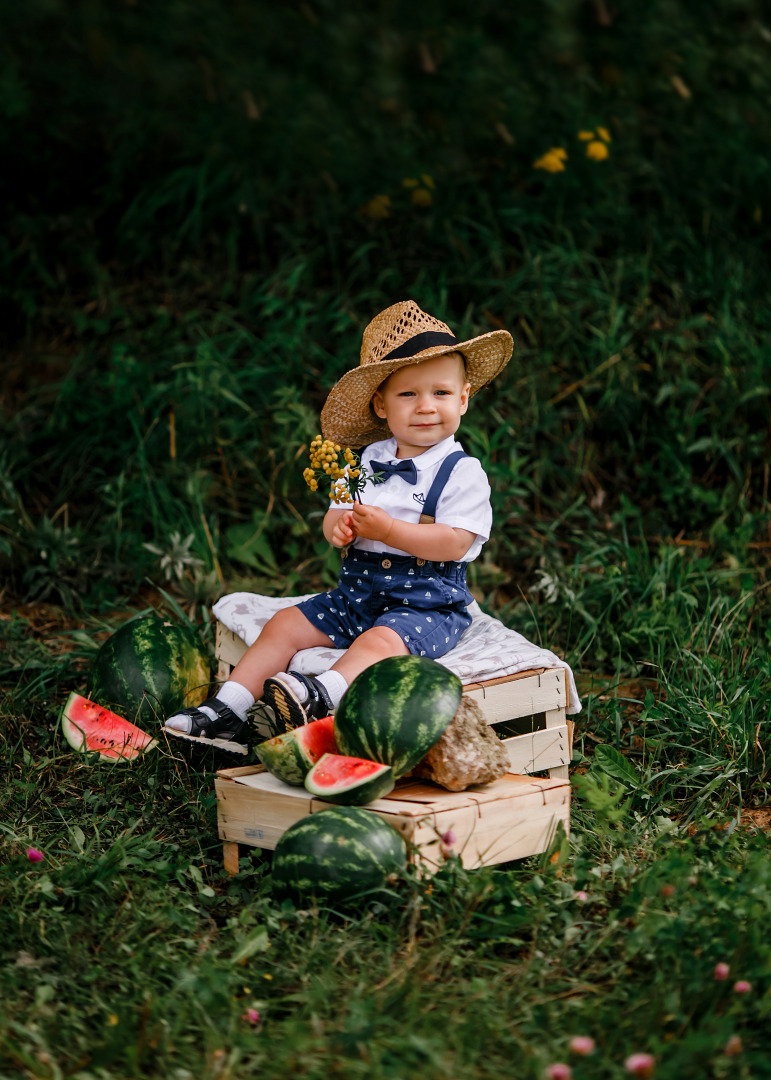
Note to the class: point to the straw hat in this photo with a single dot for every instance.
(398, 336)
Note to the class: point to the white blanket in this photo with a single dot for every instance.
(486, 650)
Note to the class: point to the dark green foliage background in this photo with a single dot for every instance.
(185, 233)
(188, 258)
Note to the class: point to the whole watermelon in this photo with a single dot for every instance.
(337, 854)
(149, 669)
(396, 710)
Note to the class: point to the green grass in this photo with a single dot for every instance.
(181, 283)
(133, 953)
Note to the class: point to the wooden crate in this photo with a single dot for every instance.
(510, 818)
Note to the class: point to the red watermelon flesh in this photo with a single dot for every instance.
(89, 728)
(349, 781)
(292, 755)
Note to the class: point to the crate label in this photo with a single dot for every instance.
(254, 834)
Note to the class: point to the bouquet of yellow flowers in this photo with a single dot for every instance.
(343, 468)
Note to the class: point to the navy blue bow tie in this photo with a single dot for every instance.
(405, 469)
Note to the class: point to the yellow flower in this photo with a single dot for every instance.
(377, 207)
(112, 1020)
(421, 197)
(597, 151)
(552, 161)
(409, 182)
(428, 181)
(604, 134)
(585, 136)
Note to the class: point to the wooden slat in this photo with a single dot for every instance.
(556, 720)
(499, 835)
(236, 771)
(468, 687)
(547, 749)
(245, 817)
(229, 647)
(510, 698)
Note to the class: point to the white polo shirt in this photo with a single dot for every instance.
(464, 503)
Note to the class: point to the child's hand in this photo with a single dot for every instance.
(342, 532)
(371, 522)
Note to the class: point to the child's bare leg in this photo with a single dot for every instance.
(283, 635)
(373, 645)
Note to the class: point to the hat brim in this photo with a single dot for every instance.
(347, 418)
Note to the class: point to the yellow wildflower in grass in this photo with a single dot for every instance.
(552, 161)
(377, 208)
(597, 151)
(410, 182)
(421, 197)
(596, 148)
(428, 181)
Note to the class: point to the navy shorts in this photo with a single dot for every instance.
(426, 603)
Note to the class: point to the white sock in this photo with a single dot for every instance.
(299, 689)
(237, 697)
(334, 684)
(232, 694)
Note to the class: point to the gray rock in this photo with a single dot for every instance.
(468, 753)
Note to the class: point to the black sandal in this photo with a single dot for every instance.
(288, 710)
(224, 732)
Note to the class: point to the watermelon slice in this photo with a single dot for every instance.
(89, 728)
(349, 781)
(292, 755)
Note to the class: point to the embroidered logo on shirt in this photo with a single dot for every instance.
(419, 497)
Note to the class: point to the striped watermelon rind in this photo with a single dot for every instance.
(150, 668)
(336, 855)
(291, 756)
(396, 710)
(90, 728)
(349, 781)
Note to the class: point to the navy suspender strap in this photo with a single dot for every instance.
(443, 475)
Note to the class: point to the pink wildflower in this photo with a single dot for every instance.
(449, 838)
(582, 1044)
(734, 1046)
(640, 1065)
(251, 1016)
(667, 891)
(581, 896)
(34, 855)
(721, 971)
(742, 987)
(558, 1071)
